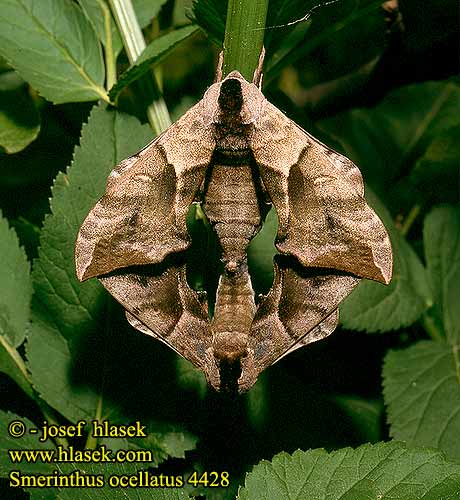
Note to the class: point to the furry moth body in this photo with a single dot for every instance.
(231, 151)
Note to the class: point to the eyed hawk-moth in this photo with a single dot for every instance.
(232, 151)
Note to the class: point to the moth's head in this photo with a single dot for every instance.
(230, 96)
(234, 95)
(249, 95)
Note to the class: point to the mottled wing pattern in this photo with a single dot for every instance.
(324, 220)
(325, 328)
(159, 302)
(140, 219)
(300, 308)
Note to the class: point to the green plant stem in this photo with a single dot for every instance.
(110, 60)
(430, 327)
(244, 35)
(25, 381)
(134, 44)
(410, 219)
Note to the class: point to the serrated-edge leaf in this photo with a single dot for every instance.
(73, 195)
(53, 47)
(50, 361)
(153, 54)
(66, 311)
(384, 471)
(422, 394)
(26, 442)
(441, 235)
(15, 296)
(15, 286)
(374, 307)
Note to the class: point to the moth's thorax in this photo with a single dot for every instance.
(231, 135)
(232, 144)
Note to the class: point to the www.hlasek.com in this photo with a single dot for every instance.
(65, 459)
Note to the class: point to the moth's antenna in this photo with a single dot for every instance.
(306, 17)
(257, 78)
(220, 63)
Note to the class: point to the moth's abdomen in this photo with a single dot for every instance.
(232, 207)
(233, 315)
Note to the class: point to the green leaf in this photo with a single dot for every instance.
(422, 383)
(384, 471)
(67, 313)
(441, 237)
(51, 365)
(146, 10)
(98, 13)
(211, 16)
(377, 308)
(261, 252)
(422, 393)
(15, 295)
(27, 442)
(19, 118)
(389, 137)
(53, 47)
(165, 441)
(15, 286)
(153, 54)
(436, 172)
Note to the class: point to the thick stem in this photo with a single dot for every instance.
(431, 328)
(110, 60)
(134, 44)
(410, 219)
(244, 35)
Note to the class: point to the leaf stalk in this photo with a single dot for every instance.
(134, 43)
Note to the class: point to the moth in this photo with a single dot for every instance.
(232, 152)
